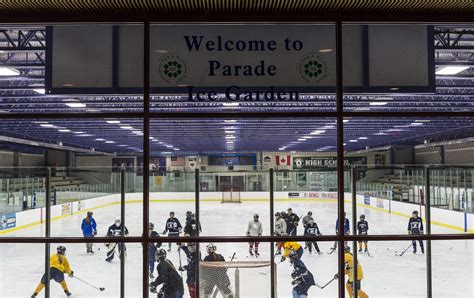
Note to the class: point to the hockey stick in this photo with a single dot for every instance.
(180, 265)
(322, 287)
(406, 249)
(92, 286)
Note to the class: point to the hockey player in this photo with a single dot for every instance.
(302, 278)
(306, 218)
(173, 227)
(191, 227)
(349, 271)
(89, 230)
(168, 276)
(292, 247)
(280, 230)
(215, 277)
(190, 268)
(362, 228)
(291, 222)
(59, 265)
(115, 230)
(254, 229)
(312, 229)
(347, 230)
(152, 248)
(415, 227)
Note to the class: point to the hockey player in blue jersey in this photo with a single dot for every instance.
(173, 227)
(312, 229)
(415, 227)
(190, 268)
(347, 230)
(89, 230)
(152, 248)
(302, 278)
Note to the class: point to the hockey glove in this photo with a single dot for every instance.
(336, 276)
(248, 234)
(282, 259)
(259, 234)
(293, 282)
(72, 274)
(293, 275)
(95, 233)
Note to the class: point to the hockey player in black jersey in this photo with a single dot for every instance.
(415, 227)
(192, 227)
(292, 221)
(168, 276)
(152, 248)
(311, 228)
(173, 227)
(362, 229)
(115, 230)
(302, 278)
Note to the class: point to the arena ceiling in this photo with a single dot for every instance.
(235, 8)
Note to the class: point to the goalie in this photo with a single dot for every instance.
(215, 277)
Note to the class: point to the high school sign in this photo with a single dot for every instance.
(325, 163)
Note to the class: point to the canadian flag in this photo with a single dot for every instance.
(283, 160)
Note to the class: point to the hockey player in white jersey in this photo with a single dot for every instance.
(280, 230)
(254, 229)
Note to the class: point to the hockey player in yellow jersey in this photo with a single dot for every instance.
(349, 261)
(59, 265)
(292, 246)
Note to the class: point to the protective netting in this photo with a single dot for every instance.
(235, 279)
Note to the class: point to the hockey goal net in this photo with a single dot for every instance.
(236, 279)
(231, 195)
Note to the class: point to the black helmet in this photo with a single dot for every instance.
(415, 212)
(61, 250)
(347, 249)
(277, 214)
(151, 226)
(161, 254)
(362, 216)
(188, 213)
(211, 248)
(310, 213)
(255, 216)
(89, 213)
(293, 256)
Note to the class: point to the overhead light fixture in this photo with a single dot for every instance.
(176, 149)
(230, 121)
(416, 123)
(154, 140)
(451, 70)
(109, 142)
(78, 132)
(166, 152)
(308, 137)
(394, 89)
(353, 141)
(325, 50)
(113, 121)
(151, 138)
(100, 139)
(86, 135)
(362, 138)
(229, 131)
(378, 103)
(64, 130)
(230, 104)
(76, 105)
(329, 126)
(317, 132)
(380, 134)
(345, 120)
(344, 144)
(46, 125)
(169, 146)
(301, 140)
(9, 71)
(40, 90)
(229, 137)
(123, 145)
(126, 127)
(423, 121)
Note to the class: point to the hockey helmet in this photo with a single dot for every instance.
(415, 213)
(211, 248)
(292, 255)
(172, 214)
(61, 250)
(277, 214)
(347, 248)
(161, 254)
(189, 213)
(255, 216)
(192, 247)
(362, 217)
(118, 221)
(89, 213)
(151, 226)
(310, 213)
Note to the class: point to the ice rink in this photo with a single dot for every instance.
(386, 275)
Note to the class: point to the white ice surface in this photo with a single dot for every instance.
(386, 275)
